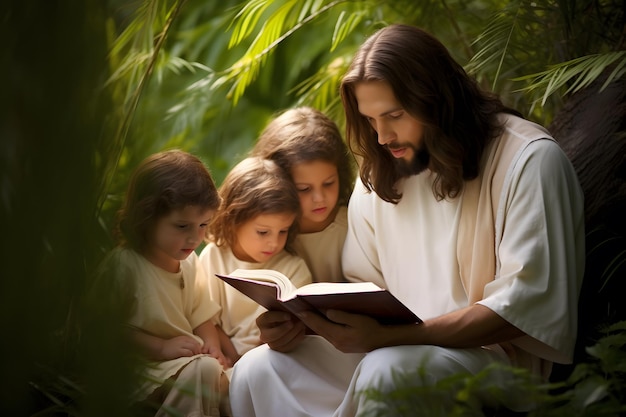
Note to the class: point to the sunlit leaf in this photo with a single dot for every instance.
(345, 25)
(245, 71)
(247, 19)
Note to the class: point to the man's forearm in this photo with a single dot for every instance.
(472, 326)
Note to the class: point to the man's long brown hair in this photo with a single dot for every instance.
(459, 118)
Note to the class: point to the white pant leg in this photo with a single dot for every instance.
(310, 381)
(379, 370)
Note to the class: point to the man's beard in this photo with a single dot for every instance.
(419, 162)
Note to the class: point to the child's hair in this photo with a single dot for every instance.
(304, 134)
(163, 182)
(255, 186)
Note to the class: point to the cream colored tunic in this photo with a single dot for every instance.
(162, 308)
(239, 313)
(322, 250)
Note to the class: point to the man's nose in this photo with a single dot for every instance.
(385, 135)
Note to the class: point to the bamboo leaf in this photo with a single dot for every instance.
(505, 49)
(320, 90)
(578, 73)
(496, 40)
(345, 26)
(247, 20)
(616, 74)
(272, 33)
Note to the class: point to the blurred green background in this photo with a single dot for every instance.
(92, 87)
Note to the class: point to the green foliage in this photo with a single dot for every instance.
(577, 74)
(291, 14)
(595, 389)
(56, 122)
(455, 396)
(220, 61)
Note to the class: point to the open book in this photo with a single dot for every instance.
(275, 291)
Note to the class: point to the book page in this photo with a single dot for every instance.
(266, 275)
(318, 288)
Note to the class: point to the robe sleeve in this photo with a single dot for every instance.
(540, 253)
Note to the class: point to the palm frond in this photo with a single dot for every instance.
(320, 90)
(282, 23)
(346, 23)
(188, 113)
(139, 78)
(247, 19)
(500, 43)
(138, 37)
(61, 392)
(495, 40)
(574, 75)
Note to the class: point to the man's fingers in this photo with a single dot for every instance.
(316, 322)
(289, 340)
(271, 319)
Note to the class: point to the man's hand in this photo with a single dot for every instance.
(350, 333)
(354, 333)
(469, 327)
(280, 330)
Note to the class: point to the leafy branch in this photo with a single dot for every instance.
(577, 73)
(247, 68)
(133, 63)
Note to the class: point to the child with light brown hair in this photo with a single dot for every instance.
(308, 146)
(170, 199)
(253, 228)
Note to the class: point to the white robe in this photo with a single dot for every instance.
(411, 249)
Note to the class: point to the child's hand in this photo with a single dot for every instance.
(180, 346)
(216, 352)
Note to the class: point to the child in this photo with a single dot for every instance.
(253, 228)
(308, 145)
(169, 203)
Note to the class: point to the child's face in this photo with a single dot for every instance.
(317, 183)
(176, 235)
(263, 236)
